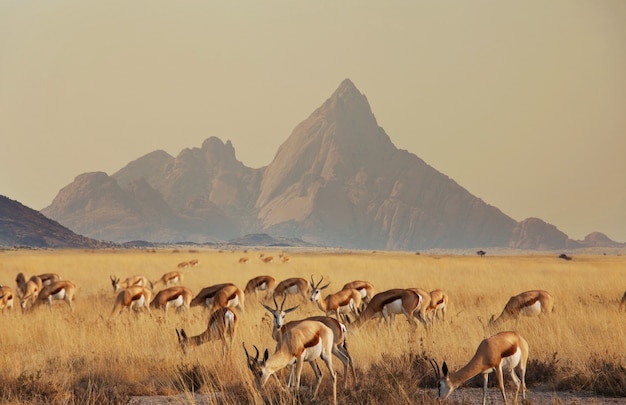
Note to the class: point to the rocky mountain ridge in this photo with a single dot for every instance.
(337, 180)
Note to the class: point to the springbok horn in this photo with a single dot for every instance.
(282, 304)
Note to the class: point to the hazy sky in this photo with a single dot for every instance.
(521, 103)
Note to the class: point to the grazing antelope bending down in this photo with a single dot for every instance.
(340, 349)
(306, 341)
(135, 297)
(194, 262)
(176, 296)
(244, 260)
(222, 324)
(622, 305)
(183, 265)
(58, 290)
(529, 303)
(30, 291)
(388, 303)
(438, 302)
(293, 286)
(6, 297)
(218, 296)
(366, 289)
(266, 259)
(48, 278)
(169, 278)
(260, 283)
(341, 303)
(129, 282)
(504, 352)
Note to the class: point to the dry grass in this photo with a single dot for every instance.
(89, 357)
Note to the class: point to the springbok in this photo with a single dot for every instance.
(260, 283)
(306, 341)
(29, 290)
(218, 296)
(293, 286)
(266, 259)
(132, 281)
(529, 303)
(58, 290)
(340, 348)
(6, 297)
(340, 303)
(438, 302)
(388, 303)
(175, 296)
(244, 260)
(504, 352)
(135, 297)
(169, 278)
(366, 289)
(222, 324)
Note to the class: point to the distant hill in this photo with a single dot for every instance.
(22, 226)
(337, 180)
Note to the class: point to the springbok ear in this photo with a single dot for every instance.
(321, 288)
(266, 355)
(444, 369)
(291, 309)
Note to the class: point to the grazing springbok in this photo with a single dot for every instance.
(29, 290)
(293, 286)
(438, 302)
(168, 279)
(366, 289)
(266, 259)
(48, 278)
(175, 296)
(388, 303)
(183, 265)
(222, 325)
(340, 349)
(529, 303)
(306, 341)
(260, 283)
(219, 296)
(504, 352)
(58, 290)
(341, 303)
(6, 297)
(244, 260)
(622, 304)
(132, 281)
(136, 297)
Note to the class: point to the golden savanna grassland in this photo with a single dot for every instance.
(91, 357)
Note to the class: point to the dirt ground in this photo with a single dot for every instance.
(463, 395)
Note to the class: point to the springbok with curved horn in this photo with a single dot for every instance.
(340, 348)
(306, 341)
(6, 297)
(293, 286)
(529, 303)
(58, 290)
(135, 297)
(218, 296)
(30, 291)
(389, 303)
(132, 281)
(260, 283)
(340, 303)
(222, 325)
(504, 352)
(176, 296)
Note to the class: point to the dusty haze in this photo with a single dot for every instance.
(522, 104)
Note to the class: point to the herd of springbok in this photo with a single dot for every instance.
(317, 337)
